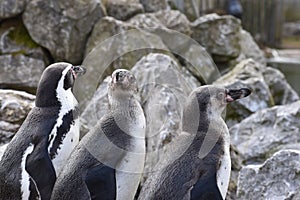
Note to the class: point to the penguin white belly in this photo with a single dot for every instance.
(129, 172)
(25, 177)
(67, 146)
(223, 174)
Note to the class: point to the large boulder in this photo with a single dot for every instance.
(11, 8)
(20, 72)
(220, 35)
(154, 5)
(276, 178)
(170, 19)
(113, 44)
(14, 107)
(123, 9)
(267, 131)
(62, 26)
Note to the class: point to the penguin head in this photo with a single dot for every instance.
(123, 84)
(56, 79)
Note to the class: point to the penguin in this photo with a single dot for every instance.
(109, 160)
(43, 143)
(197, 165)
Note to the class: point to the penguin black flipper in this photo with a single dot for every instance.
(206, 188)
(101, 176)
(40, 168)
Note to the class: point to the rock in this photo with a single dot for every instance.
(267, 131)
(277, 178)
(62, 26)
(220, 35)
(189, 8)
(280, 89)
(14, 107)
(154, 5)
(170, 19)
(110, 51)
(14, 39)
(20, 72)
(249, 49)
(123, 9)
(163, 89)
(11, 8)
(247, 73)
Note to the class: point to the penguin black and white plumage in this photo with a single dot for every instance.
(46, 138)
(109, 160)
(197, 165)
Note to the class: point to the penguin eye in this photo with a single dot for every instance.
(220, 96)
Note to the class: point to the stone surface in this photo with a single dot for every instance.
(249, 49)
(14, 39)
(220, 35)
(189, 8)
(280, 89)
(20, 72)
(170, 19)
(154, 5)
(247, 73)
(2, 149)
(62, 26)
(267, 131)
(14, 107)
(277, 178)
(123, 9)
(11, 8)
(110, 51)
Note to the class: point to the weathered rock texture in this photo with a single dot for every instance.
(277, 178)
(123, 9)
(20, 72)
(267, 131)
(62, 26)
(154, 5)
(11, 8)
(219, 35)
(14, 107)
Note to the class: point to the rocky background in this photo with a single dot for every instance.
(265, 127)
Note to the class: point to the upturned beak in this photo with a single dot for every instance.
(78, 71)
(232, 95)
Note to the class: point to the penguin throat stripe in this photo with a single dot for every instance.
(68, 103)
(25, 178)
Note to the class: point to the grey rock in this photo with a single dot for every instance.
(20, 72)
(11, 8)
(154, 5)
(170, 19)
(189, 8)
(14, 107)
(280, 89)
(163, 89)
(220, 35)
(109, 51)
(62, 26)
(267, 131)
(247, 73)
(277, 178)
(14, 39)
(123, 9)
(249, 49)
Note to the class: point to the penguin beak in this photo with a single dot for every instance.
(78, 71)
(232, 95)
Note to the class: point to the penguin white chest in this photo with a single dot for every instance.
(223, 174)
